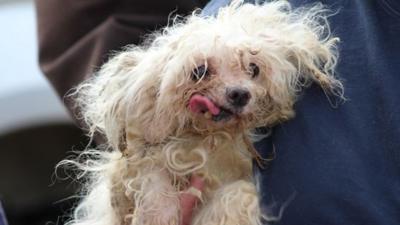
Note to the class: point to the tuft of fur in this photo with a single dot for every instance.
(138, 103)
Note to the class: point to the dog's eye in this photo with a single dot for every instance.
(254, 70)
(199, 73)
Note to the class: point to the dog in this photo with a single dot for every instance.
(187, 102)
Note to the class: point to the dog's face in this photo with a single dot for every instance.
(239, 70)
(225, 82)
(226, 87)
(228, 84)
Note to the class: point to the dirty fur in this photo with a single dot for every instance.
(138, 101)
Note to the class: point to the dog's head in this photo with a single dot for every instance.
(238, 70)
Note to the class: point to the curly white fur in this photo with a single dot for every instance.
(139, 102)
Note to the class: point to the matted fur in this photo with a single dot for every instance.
(139, 102)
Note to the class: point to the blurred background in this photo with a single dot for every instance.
(36, 131)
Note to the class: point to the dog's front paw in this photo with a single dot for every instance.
(233, 204)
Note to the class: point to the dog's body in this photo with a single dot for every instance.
(159, 173)
(187, 104)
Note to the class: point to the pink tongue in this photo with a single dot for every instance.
(201, 104)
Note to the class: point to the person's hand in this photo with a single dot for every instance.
(189, 200)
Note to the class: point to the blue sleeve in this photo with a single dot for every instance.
(3, 219)
(342, 166)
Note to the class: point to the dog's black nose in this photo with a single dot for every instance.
(238, 97)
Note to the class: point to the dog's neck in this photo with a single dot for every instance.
(210, 140)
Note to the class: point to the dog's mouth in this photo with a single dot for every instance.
(202, 105)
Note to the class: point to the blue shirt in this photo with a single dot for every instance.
(3, 220)
(342, 166)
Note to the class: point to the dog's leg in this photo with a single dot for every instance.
(156, 200)
(233, 204)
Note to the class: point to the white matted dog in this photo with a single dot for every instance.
(187, 102)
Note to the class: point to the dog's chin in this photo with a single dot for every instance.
(207, 111)
(224, 119)
(224, 115)
(227, 115)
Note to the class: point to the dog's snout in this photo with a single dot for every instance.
(238, 97)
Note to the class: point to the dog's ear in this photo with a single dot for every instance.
(305, 51)
(315, 61)
(102, 100)
(312, 48)
(123, 100)
(150, 113)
